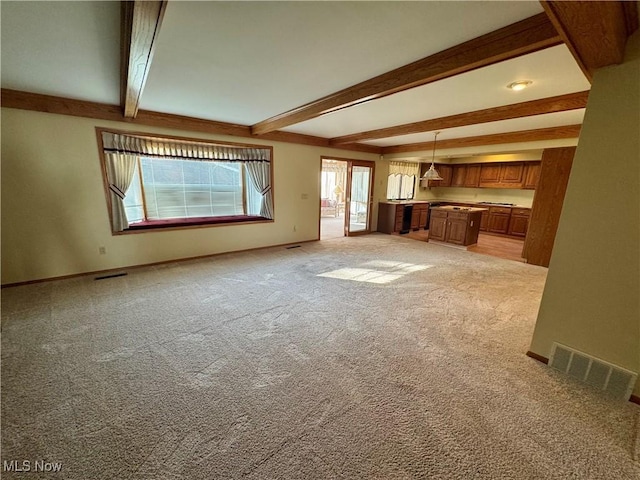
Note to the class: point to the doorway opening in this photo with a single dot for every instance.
(346, 197)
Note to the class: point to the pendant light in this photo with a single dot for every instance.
(432, 173)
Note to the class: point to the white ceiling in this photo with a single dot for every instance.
(243, 62)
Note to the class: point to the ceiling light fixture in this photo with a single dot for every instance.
(520, 85)
(432, 173)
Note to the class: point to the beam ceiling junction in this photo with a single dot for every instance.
(521, 38)
(552, 133)
(595, 32)
(140, 25)
(560, 103)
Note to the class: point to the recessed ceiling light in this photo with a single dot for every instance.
(520, 85)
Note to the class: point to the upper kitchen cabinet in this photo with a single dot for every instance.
(502, 175)
(445, 172)
(465, 175)
(531, 175)
(472, 178)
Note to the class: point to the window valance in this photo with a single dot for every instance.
(404, 168)
(149, 146)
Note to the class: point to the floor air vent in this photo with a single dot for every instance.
(613, 380)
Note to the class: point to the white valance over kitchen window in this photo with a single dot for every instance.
(404, 168)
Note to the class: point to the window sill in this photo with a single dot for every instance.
(181, 223)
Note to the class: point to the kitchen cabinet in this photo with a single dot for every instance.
(458, 175)
(531, 175)
(445, 172)
(519, 222)
(472, 178)
(395, 216)
(502, 175)
(455, 225)
(484, 221)
(419, 215)
(499, 219)
(489, 174)
(438, 225)
(512, 174)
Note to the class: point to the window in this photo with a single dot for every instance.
(400, 187)
(166, 182)
(402, 179)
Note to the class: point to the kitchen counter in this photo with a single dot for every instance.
(455, 208)
(482, 204)
(404, 202)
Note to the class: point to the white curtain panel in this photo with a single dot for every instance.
(404, 168)
(260, 176)
(393, 186)
(120, 170)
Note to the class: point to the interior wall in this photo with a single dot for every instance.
(54, 210)
(591, 297)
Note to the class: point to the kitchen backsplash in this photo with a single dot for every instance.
(522, 198)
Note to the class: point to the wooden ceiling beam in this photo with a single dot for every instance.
(527, 36)
(101, 111)
(560, 103)
(552, 133)
(595, 32)
(140, 25)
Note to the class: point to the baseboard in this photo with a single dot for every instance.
(143, 265)
(545, 360)
(537, 357)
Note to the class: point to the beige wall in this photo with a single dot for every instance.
(591, 300)
(54, 213)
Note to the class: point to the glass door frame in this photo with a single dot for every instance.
(347, 209)
(347, 194)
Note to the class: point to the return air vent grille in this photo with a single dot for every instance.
(613, 380)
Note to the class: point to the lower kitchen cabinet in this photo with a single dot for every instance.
(455, 225)
(402, 216)
(499, 219)
(519, 222)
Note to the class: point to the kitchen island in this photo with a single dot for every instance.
(455, 225)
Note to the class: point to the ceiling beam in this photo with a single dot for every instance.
(595, 32)
(552, 133)
(81, 108)
(527, 36)
(560, 103)
(140, 25)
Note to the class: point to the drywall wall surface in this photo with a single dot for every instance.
(522, 198)
(54, 211)
(591, 300)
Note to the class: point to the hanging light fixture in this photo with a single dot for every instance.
(432, 173)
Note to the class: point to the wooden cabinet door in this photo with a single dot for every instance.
(438, 228)
(415, 217)
(489, 175)
(484, 221)
(498, 223)
(518, 225)
(458, 175)
(456, 231)
(531, 175)
(512, 174)
(472, 179)
(445, 172)
(424, 216)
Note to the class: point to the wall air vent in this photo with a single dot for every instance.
(613, 380)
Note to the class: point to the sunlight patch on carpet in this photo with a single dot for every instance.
(383, 271)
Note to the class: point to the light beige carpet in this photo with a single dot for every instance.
(369, 357)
